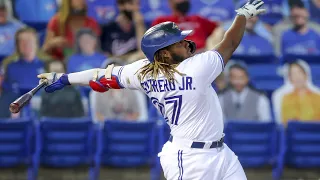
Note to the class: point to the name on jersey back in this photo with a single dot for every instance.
(164, 85)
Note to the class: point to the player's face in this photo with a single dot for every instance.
(180, 51)
(297, 76)
(238, 79)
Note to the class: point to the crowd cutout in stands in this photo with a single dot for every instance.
(22, 67)
(240, 100)
(63, 26)
(298, 98)
(67, 103)
(202, 27)
(120, 39)
(300, 39)
(9, 26)
(83, 34)
(117, 105)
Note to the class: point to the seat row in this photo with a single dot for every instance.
(66, 143)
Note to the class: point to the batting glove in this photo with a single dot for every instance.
(55, 81)
(251, 9)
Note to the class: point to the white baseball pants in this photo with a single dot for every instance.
(184, 163)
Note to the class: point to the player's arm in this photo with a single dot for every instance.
(100, 80)
(234, 34)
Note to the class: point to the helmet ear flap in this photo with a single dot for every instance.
(192, 46)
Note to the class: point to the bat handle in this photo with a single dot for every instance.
(36, 89)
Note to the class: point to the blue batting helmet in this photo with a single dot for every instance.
(161, 36)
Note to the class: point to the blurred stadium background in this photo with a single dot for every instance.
(269, 91)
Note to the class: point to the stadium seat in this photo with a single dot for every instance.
(217, 10)
(308, 58)
(102, 11)
(38, 26)
(264, 71)
(256, 59)
(130, 144)
(153, 9)
(2, 57)
(315, 71)
(265, 77)
(274, 12)
(35, 10)
(303, 144)
(42, 36)
(67, 143)
(256, 144)
(16, 144)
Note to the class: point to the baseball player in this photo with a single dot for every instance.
(178, 83)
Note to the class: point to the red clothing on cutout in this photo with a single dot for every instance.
(202, 28)
(53, 26)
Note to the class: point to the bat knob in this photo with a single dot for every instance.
(14, 108)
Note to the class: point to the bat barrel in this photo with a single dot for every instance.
(16, 106)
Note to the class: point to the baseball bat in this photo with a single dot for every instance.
(18, 104)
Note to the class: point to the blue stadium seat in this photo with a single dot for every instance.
(303, 144)
(2, 57)
(35, 10)
(102, 11)
(274, 12)
(42, 36)
(65, 143)
(256, 144)
(164, 132)
(16, 144)
(265, 77)
(264, 71)
(315, 71)
(38, 26)
(214, 10)
(130, 144)
(151, 9)
(308, 58)
(256, 59)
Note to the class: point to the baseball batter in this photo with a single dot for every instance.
(178, 83)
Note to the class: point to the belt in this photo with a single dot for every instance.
(201, 145)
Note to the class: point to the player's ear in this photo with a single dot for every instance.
(165, 53)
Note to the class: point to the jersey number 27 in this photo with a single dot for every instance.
(176, 101)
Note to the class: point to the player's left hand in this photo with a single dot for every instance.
(56, 81)
(251, 9)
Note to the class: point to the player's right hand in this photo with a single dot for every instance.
(55, 81)
(251, 9)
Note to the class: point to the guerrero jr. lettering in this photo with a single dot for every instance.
(164, 85)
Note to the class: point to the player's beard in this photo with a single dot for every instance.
(177, 58)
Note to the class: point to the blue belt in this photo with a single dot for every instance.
(200, 145)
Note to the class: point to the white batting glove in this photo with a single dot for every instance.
(251, 9)
(49, 77)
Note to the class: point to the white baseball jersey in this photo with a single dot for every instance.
(189, 105)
